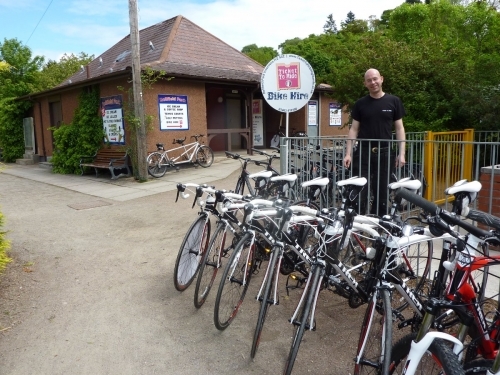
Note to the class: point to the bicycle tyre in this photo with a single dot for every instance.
(300, 326)
(240, 186)
(191, 252)
(373, 340)
(155, 166)
(232, 288)
(204, 156)
(439, 358)
(272, 275)
(478, 367)
(210, 265)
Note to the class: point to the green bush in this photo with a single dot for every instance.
(84, 136)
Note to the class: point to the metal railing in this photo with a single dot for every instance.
(438, 160)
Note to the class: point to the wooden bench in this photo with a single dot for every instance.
(107, 158)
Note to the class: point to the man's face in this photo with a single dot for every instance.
(373, 82)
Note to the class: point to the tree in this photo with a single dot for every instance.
(23, 75)
(330, 25)
(354, 26)
(260, 54)
(413, 2)
(53, 73)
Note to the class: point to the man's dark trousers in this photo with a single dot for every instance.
(376, 164)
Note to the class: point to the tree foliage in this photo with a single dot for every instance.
(55, 72)
(23, 73)
(441, 58)
(260, 54)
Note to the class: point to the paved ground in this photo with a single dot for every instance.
(90, 289)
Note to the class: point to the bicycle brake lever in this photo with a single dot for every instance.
(180, 188)
(199, 193)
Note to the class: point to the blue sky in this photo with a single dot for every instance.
(54, 27)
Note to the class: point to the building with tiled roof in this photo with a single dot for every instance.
(217, 85)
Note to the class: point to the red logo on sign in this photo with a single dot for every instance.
(288, 76)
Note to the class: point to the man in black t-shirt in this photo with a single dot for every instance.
(373, 119)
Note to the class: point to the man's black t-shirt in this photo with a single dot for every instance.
(376, 116)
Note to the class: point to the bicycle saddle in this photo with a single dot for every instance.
(179, 140)
(406, 183)
(319, 181)
(357, 181)
(285, 177)
(464, 186)
(159, 146)
(265, 174)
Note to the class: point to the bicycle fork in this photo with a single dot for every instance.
(313, 285)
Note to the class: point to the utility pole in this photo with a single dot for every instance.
(142, 172)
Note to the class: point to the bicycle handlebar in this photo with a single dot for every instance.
(435, 210)
(484, 218)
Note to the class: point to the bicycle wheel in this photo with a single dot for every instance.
(210, 264)
(205, 156)
(234, 283)
(375, 340)
(191, 252)
(305, 317)
(265, 298)
(478, 367)
(413, 267)
(439, 358)
(156, 166)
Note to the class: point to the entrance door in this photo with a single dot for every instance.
(233, 120)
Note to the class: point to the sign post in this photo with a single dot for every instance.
(287, 84)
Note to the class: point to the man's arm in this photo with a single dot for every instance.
(401, 137)
(352, 136)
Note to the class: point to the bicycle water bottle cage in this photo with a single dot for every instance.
(159, 146)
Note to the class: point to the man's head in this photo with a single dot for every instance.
(373, 82)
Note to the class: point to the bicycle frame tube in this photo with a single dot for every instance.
(418, 349)
(189, 150)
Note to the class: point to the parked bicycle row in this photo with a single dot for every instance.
(417, 320)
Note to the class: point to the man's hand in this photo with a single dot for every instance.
(347, 161)
(400, 161)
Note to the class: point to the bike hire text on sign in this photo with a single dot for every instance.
(287, 83)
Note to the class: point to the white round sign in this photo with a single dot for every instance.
(287, 83)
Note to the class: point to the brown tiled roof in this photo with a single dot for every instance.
(180, 48)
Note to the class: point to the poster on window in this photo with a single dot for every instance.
(335, 114)
(173, 112)
(312, 110)
(112, 119)
(257, 123)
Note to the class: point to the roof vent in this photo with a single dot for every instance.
(110, 69)
(100, 62)
(122, 56)
(82, 69)
(70, 81)
(151, 46)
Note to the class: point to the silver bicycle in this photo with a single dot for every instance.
(194, 152)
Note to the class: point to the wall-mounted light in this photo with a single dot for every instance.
(220, 99)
